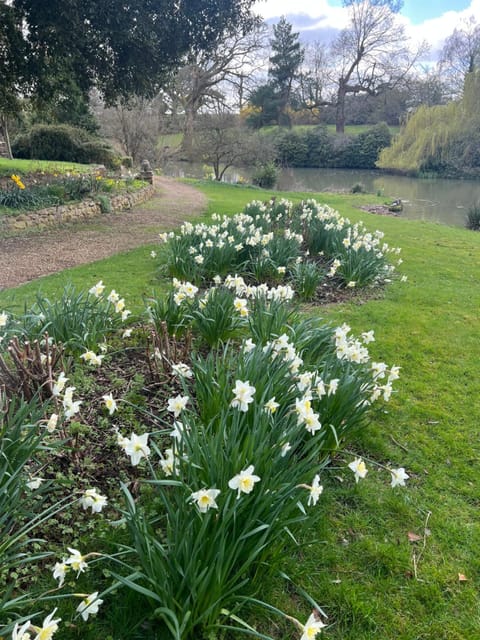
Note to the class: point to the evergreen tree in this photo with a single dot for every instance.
(287, 56)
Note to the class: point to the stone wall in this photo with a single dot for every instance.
(85, 210)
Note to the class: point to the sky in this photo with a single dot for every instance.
(431, 20)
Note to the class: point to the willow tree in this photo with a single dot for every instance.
(443, 139)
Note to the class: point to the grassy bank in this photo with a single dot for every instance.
(384, 563)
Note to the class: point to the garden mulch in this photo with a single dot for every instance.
(31, 255)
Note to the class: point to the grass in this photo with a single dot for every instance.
(359, 564)
(8, 166)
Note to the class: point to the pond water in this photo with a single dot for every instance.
(432, 199)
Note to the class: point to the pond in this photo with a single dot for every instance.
(432, 199)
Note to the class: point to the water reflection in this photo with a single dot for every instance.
(437, 200)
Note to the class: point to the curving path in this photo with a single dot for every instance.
(26, 257)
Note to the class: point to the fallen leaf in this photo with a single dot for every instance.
(462, 578)
(413, 537)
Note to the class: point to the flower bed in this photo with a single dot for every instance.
(203, 427)
(73, 198)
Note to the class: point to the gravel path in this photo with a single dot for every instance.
(26, 257)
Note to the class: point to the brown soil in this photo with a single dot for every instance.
(28, 256)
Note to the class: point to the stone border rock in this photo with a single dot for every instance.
(85, 210)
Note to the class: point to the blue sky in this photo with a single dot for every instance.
(431, 20)
(420, 10)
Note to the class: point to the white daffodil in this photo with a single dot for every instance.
(113, 296)
(49, 627)
(120, 305)
(332, 387)
(34, 483)
(240, 305)
(127, 333)
(359, 469)
(97, 289)
(244, 481)
(368, 336)
(90, 357)
(315, 491)
(125, 313)
(177, 405)
(182, 370)
(153, 254)
(312, 628)
(52, 423)
(60, 570)
(76, 561)
(285, 449)
(167, 462)
(248, 345)
(243, 392)
(89, 606)
(59, 385)
(399, 476)
(3, 319)
(70, 406)
(136, 447)
(93, 500)
(205, 499)
(110, 403)
(21, 633)
(271, 406)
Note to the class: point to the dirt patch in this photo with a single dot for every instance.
(26, 257)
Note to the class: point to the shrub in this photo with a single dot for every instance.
(291, 149)
(265, 175)
(473, 218)
(63, 143)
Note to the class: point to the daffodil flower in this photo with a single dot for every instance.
(399, 476)
(3, 319)
(76, 561)
(271, 406)
(93, 500)
(316, 491)
(60, 570)
(243, 392)
(52, 423)
(110, 403)
(49, 627)
(89, 606)
(244, 481)
(205, 499)
(177, 405)
(59, 385)
(359, 469)
(20, 633)
(97, 289)
(136, 447)
(312, 628)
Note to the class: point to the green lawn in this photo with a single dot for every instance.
(360, 565)
(28, 166)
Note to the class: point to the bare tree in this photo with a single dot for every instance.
(313, 84)
(222, 143)
(207, 81)
(461, 54)
(134, 125)
(371, 54)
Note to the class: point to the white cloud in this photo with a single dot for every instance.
(323, 16)
(326, 15)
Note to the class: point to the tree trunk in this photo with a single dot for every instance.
(188, 128)
(340, 112)
(4, 130)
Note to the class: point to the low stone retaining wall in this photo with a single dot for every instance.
(77, 212)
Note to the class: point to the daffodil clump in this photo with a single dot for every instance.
(268, 241)
(233, 460)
